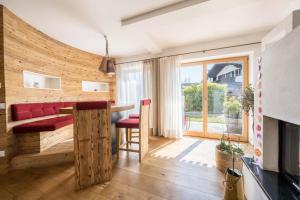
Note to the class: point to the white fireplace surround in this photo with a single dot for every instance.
(280, 85)
(280, 94)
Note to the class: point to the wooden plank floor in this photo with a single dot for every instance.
(173, 169)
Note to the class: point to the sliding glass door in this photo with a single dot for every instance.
(192, 90)
(212, 92)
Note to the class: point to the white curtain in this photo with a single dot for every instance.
(150, 90)
(170, 100)
(158, 80)
(130, 85)
(136, 81)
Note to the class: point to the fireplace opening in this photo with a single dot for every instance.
(289, 155)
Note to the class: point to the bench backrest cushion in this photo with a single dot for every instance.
(32, 110)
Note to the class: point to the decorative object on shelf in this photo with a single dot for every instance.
(107, 64)
(223, 154)
(36, 84)
(258, 133)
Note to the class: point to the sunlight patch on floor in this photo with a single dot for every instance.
(176, 148)
(191, 150)
(202, 154)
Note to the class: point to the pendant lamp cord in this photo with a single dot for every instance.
(106, 45)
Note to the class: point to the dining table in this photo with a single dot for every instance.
(114, 108)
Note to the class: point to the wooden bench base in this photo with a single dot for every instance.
(59, 154)
(37, 142)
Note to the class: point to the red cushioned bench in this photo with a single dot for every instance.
(36, 136)
(44, 125)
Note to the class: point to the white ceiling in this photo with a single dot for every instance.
(81, 23)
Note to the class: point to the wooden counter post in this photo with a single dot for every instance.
(92, 143)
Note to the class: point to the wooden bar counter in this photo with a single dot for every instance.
(116, 115)
(94, 142)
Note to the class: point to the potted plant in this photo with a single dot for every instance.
(225, 152)
(248, 102)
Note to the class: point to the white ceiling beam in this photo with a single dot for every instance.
(161, 11)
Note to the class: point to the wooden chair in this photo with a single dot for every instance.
(92, 143)
(142, 124)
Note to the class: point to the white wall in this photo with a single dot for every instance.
(281, 79)
(282, 29)
(253, 51)
(280, 84)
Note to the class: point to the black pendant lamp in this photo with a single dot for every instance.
(107, 64)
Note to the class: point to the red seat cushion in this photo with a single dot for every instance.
(44, 125)
(136, 116)
(128, 123)
(145, 102)
(90, 105)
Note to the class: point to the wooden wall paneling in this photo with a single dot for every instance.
(92, 147)
(2, 88)
(25, 48)
(3, 139)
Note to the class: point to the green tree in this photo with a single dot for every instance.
(233, 107)
(216, 97)
(193, 97)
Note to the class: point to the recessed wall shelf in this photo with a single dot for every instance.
(41, 81)
(90, 86)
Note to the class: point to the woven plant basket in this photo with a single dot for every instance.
(224, 160)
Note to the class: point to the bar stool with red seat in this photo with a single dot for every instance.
(131, 135)
(133, 123)
(134, 116)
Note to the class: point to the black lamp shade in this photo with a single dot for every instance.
(107, 65)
